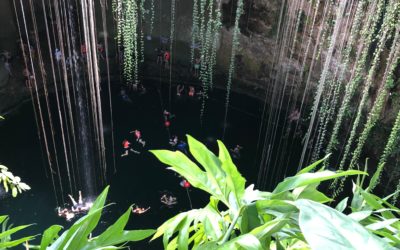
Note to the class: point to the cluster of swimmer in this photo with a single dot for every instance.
(79, 207)
(166, 199)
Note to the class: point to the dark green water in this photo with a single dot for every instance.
(140, 179)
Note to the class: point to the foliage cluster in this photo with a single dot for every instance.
(292, 216)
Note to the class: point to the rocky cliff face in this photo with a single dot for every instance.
(254, 60)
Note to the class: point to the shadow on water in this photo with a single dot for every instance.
(140, 179)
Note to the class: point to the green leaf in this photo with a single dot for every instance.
(14, 243)
(291, 183)
(310, 192)
(381, 224)
(245, 241)
(312, 166)
(49, 236)
(122, 237)
(77, 235)
(212, 165)
(13, 230)
(323, 226)
(235, 181)
(112, 231)
(250, 219)
(181, 164)
(360, 215)
(269, 228)
(342, 205)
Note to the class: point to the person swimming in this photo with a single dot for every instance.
(236, 151)
(179, 89)
(127, 147)
(182, 146)
(139, 210)
(168, 200)
(192, 91)
(80, 206)
(168, 115)
(65, 213)
(173, 141)
(185, 184)
(138, 136)
(125, 96)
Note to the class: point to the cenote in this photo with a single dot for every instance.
(199, 124)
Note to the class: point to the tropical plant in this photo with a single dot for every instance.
(79, 235)
(11, 182)
(292, 216)
(7, 231)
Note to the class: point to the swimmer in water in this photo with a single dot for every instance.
(80, 206)
(127, 147)
(138, 136)
(236, 151)
(173, 141)
(179, 89)
(168, 200)
(192, 91)
(168, 115)
(185, 184)
(182, 146)
(65, 213)
(139, 210)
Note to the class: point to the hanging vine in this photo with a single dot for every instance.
(195, 30)
(376, 110)
(215, 32)
(367, 34)
(385, 34)
(235, 46)
(152, 14)
(127, 14)
(142, 18)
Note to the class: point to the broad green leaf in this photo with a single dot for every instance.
(250, 219)
(183, 236)
(212, 165)
(323, 226)
(291, 183)
(49, 236)
(235, 181)
(181, 164)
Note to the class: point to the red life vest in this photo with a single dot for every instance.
(167, 56)
(138, 134)
(167, 123)
(126, 144)
(185, 184)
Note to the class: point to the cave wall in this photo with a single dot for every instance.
(254, 59)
